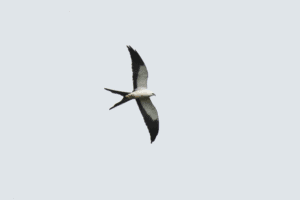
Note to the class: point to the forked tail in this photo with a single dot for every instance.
(124, 100)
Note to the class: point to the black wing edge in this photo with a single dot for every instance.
(136, 63)
(152, 125)
(135, 57)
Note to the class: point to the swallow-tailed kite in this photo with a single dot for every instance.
(140, 93)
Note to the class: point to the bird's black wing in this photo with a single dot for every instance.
(139, 70)
(150, 115)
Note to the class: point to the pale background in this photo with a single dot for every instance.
(226, 76)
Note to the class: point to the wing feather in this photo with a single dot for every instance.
(150, 115)
(139, 70)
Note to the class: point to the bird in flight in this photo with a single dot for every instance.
(140, 93)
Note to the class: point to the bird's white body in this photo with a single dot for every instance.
(140, 93)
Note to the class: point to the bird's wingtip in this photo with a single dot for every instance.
(129, 47)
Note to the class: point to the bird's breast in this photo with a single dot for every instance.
(138, 94)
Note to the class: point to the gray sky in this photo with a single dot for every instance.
(226, 79)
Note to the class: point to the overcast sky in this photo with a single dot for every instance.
(226, 79)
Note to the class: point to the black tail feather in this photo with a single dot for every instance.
(118, 92)
(124, 100)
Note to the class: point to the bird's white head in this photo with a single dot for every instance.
(150, 93)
